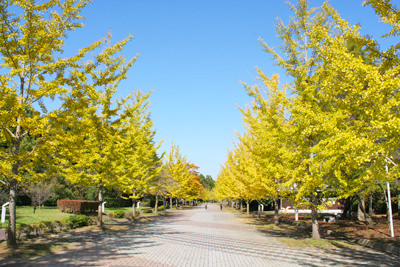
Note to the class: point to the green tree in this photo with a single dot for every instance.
(139, 165)
(300, 60)
(207, 181)
(31, 38)
(183, 181)
(94, 134)
(265, 121)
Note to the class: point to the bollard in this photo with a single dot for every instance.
(3, 212)
(102, 206)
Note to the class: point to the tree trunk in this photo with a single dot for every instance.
(247, 207)
(362, 214)
(164, 202)
(398, 204)
(170, 203)
(176, 202)
(133, 207)
(241, 205)
(134, 204)
(276, 211)
(156, 205)
(100, 207)
(314, 218)
(11, 231)
(347, 207)
(370, 208)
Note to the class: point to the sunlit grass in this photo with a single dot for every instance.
(111, 210)
(25, 215)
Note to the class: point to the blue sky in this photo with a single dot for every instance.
(193, 55)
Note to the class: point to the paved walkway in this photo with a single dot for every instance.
(197, 237)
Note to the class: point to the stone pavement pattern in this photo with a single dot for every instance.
(197, 237)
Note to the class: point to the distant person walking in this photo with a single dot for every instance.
(220, 205)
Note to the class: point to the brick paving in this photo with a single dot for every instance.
(196, 237)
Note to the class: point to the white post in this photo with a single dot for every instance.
(389, 206)
(102, 206)
(138, 204)
(3, 212)
(262, 208)
(296, 215)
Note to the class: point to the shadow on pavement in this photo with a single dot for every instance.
(95, 245)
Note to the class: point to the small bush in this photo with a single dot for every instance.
(21, 229)
(37, 227)
(160, 208)
(48, 226)
(147, 211)
(61, 225)
(118, 214)
(76, 221)
(93, 220)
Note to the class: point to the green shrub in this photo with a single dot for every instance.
(60, 224)
(147, 211)
(49, 226)
(36, 228)
(118, 214)
(20, 229)
(160, 208)
(93, 220)
(80, 220)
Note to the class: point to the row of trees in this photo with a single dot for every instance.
(333, 130)
(60, 117)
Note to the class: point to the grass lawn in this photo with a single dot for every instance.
(111, 210)
(25, 215)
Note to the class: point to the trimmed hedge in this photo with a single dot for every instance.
(77, 206)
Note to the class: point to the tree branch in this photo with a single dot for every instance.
(10, 133)
(390, 160)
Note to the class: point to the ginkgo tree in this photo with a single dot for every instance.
(240, 177)
(139, 166)
(367, 99)
(183, 183)
(91, 140)
(344, 109)
(225, 186)
(304, 129)
(32, 37)
(267, 124)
